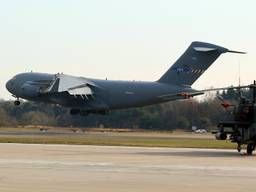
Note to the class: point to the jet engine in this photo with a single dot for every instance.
(221, 136)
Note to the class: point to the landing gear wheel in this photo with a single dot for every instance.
(250, 148)
(84, 113)
(74, 111)
(17, 102)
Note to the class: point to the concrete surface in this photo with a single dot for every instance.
(44, 168)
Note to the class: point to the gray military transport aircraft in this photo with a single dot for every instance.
(84, 95)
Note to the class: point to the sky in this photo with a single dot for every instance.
(124, 39)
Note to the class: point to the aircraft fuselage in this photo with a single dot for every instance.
(107, 95)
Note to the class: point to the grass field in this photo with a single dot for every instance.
(145, 139)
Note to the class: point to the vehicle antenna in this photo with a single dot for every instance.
(239, 78)
(254, 91)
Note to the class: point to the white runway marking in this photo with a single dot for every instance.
(110, 167)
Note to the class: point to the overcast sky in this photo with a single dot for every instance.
(124, 39)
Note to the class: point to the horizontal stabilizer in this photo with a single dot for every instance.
(191, 94)
(220, 49)
(239, 52)
(181, 95)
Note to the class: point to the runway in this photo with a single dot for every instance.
(65, 168)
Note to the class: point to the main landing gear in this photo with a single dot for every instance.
(85, 113)
(74, 111)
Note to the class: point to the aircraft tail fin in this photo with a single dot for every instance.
(193, 63)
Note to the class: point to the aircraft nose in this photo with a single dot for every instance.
(9, 85)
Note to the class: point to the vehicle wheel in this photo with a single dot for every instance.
(250, 148)
(239, 148)
(17, 102)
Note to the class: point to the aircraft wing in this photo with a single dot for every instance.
(74, 86)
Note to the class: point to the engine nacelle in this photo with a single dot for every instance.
(29, 90)
(221, 136)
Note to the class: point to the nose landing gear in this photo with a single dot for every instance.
(16, 102)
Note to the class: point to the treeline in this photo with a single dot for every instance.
(167, 116)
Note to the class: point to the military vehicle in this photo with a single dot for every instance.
(240, 125)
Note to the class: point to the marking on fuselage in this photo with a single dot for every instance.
(129, 93)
